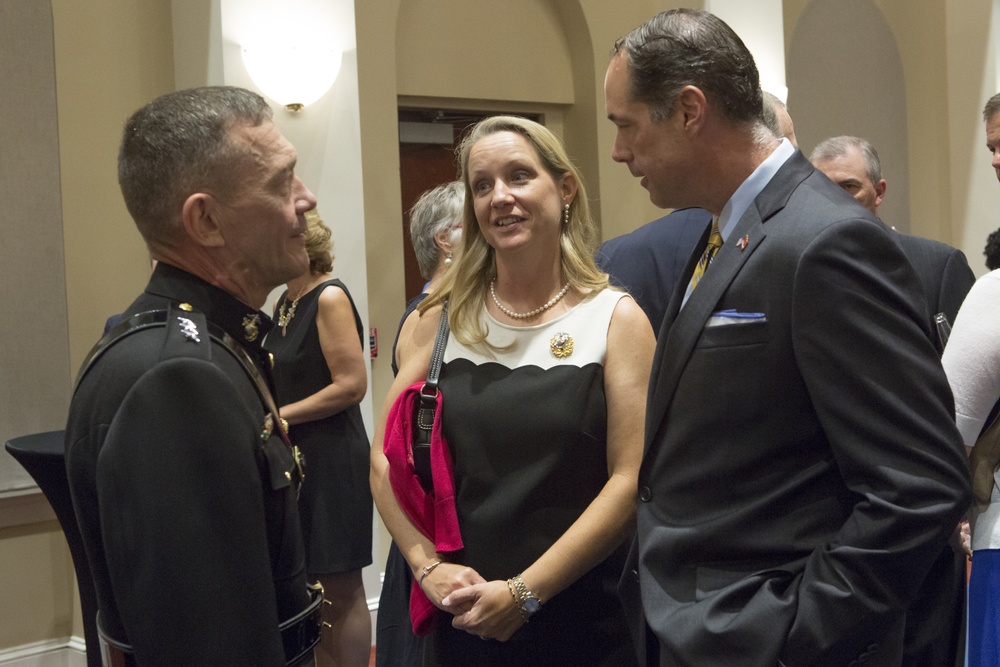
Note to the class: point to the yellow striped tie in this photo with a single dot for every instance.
(714, 243)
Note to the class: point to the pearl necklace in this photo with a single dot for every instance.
(285, 318)
(531, 313)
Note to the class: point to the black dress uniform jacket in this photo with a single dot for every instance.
(182, 491)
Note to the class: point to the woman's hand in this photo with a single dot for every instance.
(444, 580)
(486, 610)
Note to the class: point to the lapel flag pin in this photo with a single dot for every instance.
(742, 243)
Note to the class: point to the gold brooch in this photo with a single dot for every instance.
(561, 345)
(250, 329)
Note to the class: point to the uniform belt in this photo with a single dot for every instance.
(299, 635)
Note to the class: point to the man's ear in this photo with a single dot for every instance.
(692, 106)
(200, 221)
(879, 191)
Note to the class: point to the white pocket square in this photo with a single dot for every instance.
(733, 317)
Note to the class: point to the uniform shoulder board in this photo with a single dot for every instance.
(186, 334)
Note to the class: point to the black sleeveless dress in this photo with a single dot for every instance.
(335, 503)
(527, 430)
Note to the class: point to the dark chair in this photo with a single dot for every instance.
(43, 456)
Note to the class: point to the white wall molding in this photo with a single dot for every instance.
(64, 652)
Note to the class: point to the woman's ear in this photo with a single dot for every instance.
(442, 238)
(200, 220)
(568, 186)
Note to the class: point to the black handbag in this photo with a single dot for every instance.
(427, 408)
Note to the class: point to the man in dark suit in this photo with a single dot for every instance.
(935, 628)
(182, 477)
(648, 262)
(802, 468)
(854, 165)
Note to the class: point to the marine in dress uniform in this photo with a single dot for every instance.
(182, 477)
(173, 457)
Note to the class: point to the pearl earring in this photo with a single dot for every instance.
(566, 214)
(447, 259)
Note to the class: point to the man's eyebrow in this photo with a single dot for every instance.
(283, 174)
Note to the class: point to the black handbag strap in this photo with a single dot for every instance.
(427, 408)
(437, 356)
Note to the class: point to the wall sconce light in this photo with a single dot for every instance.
(294, 75)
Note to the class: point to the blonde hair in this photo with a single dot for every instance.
(465, 287)
(318, 244)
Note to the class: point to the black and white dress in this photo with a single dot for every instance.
(527, 430)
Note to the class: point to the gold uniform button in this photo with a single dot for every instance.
(186, 307)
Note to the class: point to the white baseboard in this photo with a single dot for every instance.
(66, 652)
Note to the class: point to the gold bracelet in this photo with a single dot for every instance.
(517, 600)
(427, 570)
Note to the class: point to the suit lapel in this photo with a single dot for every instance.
(677, 338)
(681, 328)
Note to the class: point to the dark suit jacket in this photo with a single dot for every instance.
(648, 262)
(802, 469)
(189, 519)
(944, 273)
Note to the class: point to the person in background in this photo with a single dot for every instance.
(319, 368)
(777, 119)
(992, 250)
(436, 233)
(802, 469)
(972, 362)
(182, 479)
(854, 165)
(935, 626)
(543, 384)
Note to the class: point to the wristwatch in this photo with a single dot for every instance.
(527, 602)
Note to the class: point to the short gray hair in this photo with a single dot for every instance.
(835, 147)
(992, 108)
(178, 144)
(438, 209)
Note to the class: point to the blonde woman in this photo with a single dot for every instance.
(544, 384)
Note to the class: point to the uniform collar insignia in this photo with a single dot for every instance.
(251, 326)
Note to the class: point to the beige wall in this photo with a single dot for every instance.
(36, 581)
(932, 151)
(112, 56)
